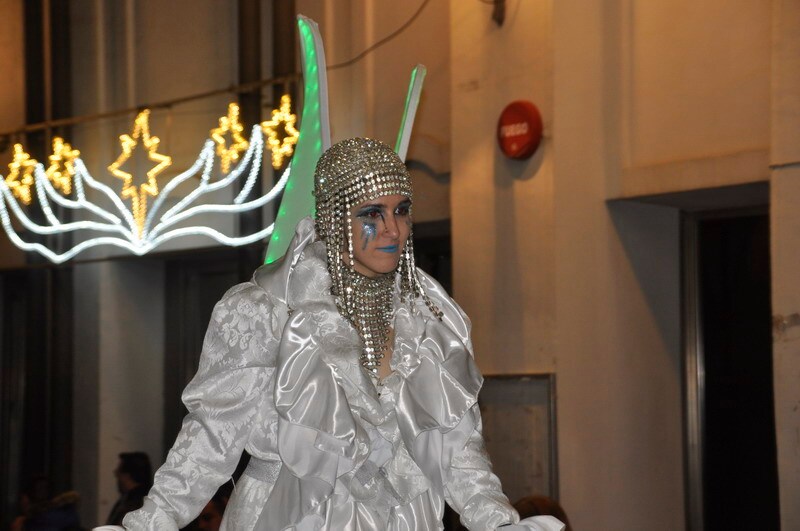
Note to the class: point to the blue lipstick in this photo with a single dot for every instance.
(388, 249)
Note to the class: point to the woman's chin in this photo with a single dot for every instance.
(379, 267)
(389, 266)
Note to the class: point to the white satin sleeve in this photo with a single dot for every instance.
(224, 400)
(473, 490)
(537, 523)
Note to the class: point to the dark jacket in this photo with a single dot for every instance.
(130, 501)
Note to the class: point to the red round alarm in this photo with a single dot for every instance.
(519, 130)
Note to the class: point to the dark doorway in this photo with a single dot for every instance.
(734, 402)
(35, 383)
(433, 251)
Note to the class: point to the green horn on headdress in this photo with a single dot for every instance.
(410, 112)
(315, 136)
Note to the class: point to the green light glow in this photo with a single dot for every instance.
(298, 201)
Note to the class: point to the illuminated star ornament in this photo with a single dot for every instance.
(137, 227)
(230, 124)
(281, 148)
(141, 131)
(97, 214)
(62, 166)
(20, 175)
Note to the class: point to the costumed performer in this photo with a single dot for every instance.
(346, 373)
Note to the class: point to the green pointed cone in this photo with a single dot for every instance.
(410, 111)
(315, 137)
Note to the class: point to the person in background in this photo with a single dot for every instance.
(134, 479)
(41, 512)
(210, 518)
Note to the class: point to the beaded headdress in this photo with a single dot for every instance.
(349, 173)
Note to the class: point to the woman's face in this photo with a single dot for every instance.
(380, 230)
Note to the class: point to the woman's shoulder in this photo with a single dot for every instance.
(249, 302)
(452, 314)
(300, 275)
(244, 329)
(430, 283)
(245, 293)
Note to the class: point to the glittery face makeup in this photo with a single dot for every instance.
(380, 228)
(368, 233)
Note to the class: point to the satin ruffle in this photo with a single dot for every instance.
(327, 404)
(436, 395)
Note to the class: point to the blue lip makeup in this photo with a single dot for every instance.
(388, 249)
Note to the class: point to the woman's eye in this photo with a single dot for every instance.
(372, 214)
(402, 211)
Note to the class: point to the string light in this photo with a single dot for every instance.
(178, 213)
(122, 231)
(281, 148)
(221, 209)
(141, 130)
(46, 191)
(62, 168)
(20, 175)
(206, 186)
(205, 160)
(229, 124)
(82, 175)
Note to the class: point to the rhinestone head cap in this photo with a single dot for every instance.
(357, 170)
(351, 172)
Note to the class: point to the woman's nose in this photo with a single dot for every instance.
(390, 225)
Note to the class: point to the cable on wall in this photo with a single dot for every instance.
(383, 41)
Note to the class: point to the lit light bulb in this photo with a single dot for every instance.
(20, 175)
(281, 148)
(229, 124)
(141, 131)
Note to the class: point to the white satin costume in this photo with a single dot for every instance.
(280, 377)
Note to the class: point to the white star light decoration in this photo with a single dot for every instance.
(139, 228)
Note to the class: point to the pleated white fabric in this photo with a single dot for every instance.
(279, 376)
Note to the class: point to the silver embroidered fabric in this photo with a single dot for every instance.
(280, 377)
